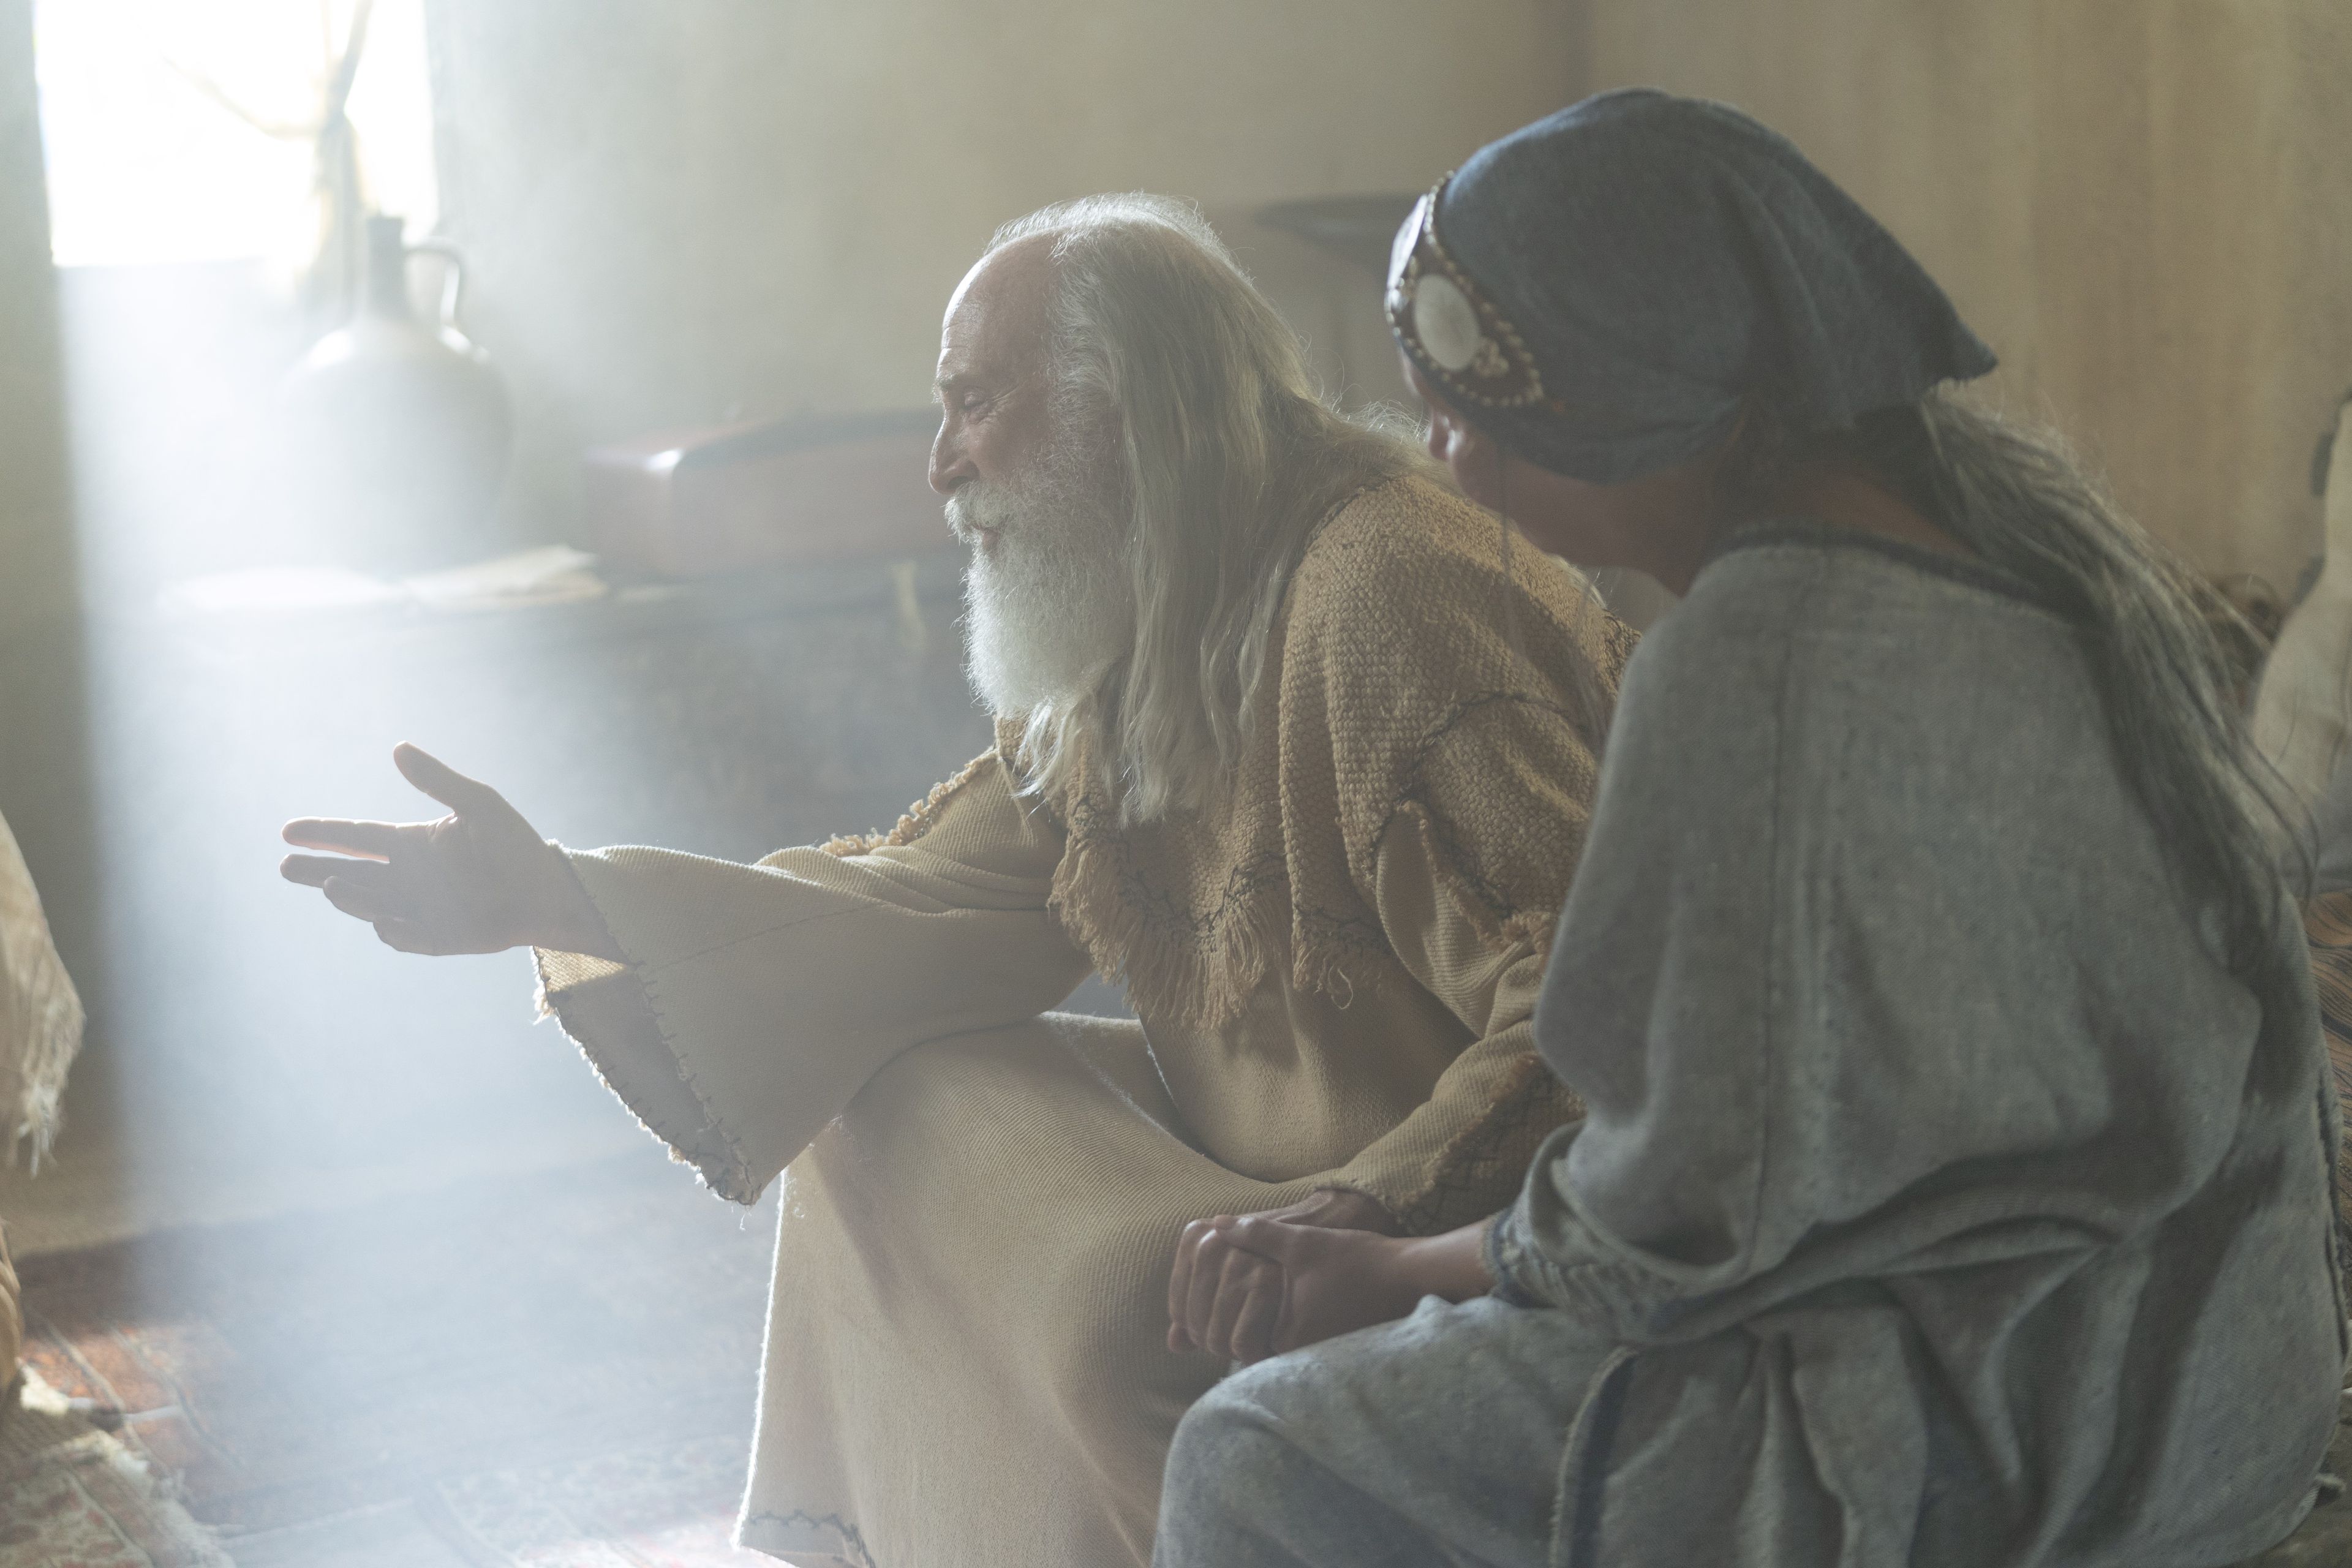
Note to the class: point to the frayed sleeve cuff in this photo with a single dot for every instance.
(603, 1007)
(1513, 1265)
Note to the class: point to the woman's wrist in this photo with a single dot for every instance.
(1451, 1265)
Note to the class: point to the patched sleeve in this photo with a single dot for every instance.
(1448, 695)
(756, 1000)
(1462, 937)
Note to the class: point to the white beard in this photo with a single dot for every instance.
(1049, 606)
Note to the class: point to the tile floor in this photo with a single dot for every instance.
(556, 1372)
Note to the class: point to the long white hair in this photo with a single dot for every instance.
(1230, 457)
(2161, 640)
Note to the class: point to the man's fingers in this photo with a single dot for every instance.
(445, 784)
(406, 936)
(1238, 1275)
(312, 870)
(1260, 1317)
(370, 904)
(1201, 1297)
(1279, 1240)
(1229, 1270)
(1179, 1274)
(369, 840)
(1180, 1282)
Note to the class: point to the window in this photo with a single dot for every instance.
(181, 131)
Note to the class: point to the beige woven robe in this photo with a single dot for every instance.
(1335, 975)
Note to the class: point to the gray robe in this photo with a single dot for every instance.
(1942, 1199)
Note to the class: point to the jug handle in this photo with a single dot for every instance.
(453, 284)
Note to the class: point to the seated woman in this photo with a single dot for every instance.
(1954, 1183)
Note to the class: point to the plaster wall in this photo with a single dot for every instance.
(44, 774)
(2145, 204)
(750, 207)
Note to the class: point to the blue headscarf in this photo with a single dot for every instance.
(1655, 259)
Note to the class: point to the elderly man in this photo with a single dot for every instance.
(1288, 743)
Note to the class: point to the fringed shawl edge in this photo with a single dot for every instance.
(1199, 971)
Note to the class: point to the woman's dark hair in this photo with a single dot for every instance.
(2166, 646)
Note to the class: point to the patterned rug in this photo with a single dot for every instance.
(558, 1373)
(72, 1495)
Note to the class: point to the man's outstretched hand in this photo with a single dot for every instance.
(480, 879)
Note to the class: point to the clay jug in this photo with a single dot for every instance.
(400, 431)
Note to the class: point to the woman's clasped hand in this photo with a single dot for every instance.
(1246, 1287)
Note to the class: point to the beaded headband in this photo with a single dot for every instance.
(1449, 326)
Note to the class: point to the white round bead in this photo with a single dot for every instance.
(1445, 321)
